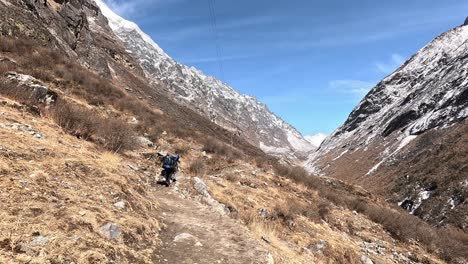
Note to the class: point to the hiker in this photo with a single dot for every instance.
(170, 165)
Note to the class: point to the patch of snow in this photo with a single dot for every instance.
(298, 142)
(405, 142)
(341, 154)
(451, 202)
(316, 139)
(273, 150)
(422, 196)
(376, 166)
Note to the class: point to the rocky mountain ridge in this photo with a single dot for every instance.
(427, 95)
(243, 115)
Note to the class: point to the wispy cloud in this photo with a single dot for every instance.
(215, 59)
(123, 8)
(282, 99)
(395, 61)
(355, 87)
(364, 29)
(237, 26)
(128, 8)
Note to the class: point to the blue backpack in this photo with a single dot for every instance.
(170, 162)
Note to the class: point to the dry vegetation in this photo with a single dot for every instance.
(450, 243)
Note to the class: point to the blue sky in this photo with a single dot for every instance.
(310, 61)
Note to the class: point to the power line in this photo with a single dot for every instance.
(214, 25)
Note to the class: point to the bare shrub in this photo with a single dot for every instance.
(216, 147)
(197, 167)
(182, 149)
(232, 177)
(114, 135)
(75, 120)
(117, 135)
(11, 45)
(6, 67)
(323, 210)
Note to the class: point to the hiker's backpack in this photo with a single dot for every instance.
(170, 162)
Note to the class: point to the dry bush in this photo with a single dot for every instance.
(214, 146)
(75, 120)
(233, 177)
(117, 135)
(21, 46)
(283, 212)
(114, 135)
(450, 244)
(289, 210)
(262, 162)
(182, 149)
(6, 67)
(197, 167)
(323, 210)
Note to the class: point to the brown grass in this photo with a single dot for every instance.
(197, 167)
(112, 134)
(182, 149)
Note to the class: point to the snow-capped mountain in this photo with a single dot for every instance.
(406, 138)
(430, 90)
(243, 115)
(316, 139)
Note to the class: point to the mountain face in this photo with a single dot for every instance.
(241, 114)
(77, 31)
(417, 114)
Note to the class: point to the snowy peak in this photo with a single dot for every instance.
(243, 115)
(316, 139)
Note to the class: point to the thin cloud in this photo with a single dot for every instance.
(282, 99)
(355, 87)
(191, 31)
(123, 8)
(364, 30)
(395, 61)
(127, 8)
(215, 59)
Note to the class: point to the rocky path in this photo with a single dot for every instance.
(194, 233)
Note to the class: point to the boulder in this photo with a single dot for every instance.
(319, 246)
(39, 241)
(120, 205)
(144, 141)
(111, 230)
(202, 189)
(366, 260)
(38, 91)
(262, 212)
(184, 236)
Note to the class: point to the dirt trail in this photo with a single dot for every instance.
(194, 233)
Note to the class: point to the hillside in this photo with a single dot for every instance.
(407, 139)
